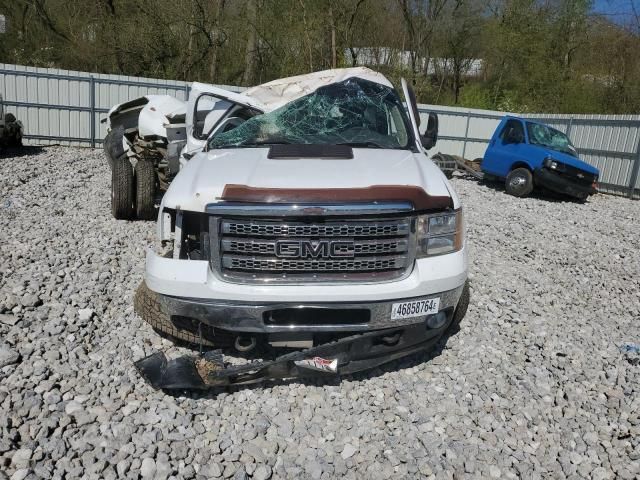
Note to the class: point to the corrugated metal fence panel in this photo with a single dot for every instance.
(56, 105)
(64, 106)
(38, 92)
(457, 124)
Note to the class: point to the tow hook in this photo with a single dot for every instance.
(245, 343)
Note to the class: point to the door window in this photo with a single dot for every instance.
(513, 129)
(208, 111)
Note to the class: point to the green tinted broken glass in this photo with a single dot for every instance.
(355, 112)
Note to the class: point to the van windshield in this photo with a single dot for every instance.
(550, 138)
(354, 112)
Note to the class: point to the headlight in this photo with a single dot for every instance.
(439, 233)
(552, 164)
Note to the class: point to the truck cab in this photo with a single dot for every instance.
(528, 154)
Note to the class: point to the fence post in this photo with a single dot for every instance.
(634, 171)
(466, 134)
(186, 92)
(92, 114)
(568, 132)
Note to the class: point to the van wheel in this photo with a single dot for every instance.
(145, 190)
(519, 182)
(122, 188)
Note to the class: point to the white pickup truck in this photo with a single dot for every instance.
(320, 222)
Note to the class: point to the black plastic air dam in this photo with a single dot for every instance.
(347, 355)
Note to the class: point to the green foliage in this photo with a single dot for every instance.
(550, 55)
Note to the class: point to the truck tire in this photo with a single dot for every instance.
(16, 140)
(145, 190)
(147, 305)
(519, 182)
(122, 188)
(461, 309)
(112, 144)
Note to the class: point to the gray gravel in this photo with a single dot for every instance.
(535, 384)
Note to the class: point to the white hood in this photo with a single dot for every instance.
(205, 176)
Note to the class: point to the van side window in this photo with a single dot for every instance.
(512, 129)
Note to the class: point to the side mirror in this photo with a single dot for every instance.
(430, 136)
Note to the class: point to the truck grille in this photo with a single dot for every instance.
(250, 250)
(578, 175)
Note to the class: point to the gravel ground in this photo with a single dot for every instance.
(534, 386)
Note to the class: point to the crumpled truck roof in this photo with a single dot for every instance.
(272, 95)
(279, 92)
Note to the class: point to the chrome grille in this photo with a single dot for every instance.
(279, 265)
(246, 249)
(266, 229)
(361, 247)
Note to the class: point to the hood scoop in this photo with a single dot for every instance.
(290, 152)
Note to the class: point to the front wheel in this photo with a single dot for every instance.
(147, 304)
(461, 308)
(519, 182)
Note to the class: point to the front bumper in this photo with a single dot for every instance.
(273, 317)
(553, 181)
(347, 355)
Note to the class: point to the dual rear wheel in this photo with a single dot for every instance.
(133, 192)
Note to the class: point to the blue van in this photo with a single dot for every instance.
(527, 154)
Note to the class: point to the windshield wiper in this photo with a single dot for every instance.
(265, 142)
(363, 144)
(254, 144)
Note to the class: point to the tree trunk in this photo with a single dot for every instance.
(213, 69)
(251, 54)
(334, 53)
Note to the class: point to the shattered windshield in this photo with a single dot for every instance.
(550, 138)
(355, 112)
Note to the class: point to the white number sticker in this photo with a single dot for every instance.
(417, 308)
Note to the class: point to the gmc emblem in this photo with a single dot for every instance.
(315, 249)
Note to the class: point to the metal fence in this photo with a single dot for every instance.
(65, 107)
(609, 142)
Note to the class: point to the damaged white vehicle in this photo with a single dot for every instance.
(151, 137)
(312, 219)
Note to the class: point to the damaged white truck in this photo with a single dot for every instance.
(315, 222)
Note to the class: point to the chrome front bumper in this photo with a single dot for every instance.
(265, 317)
